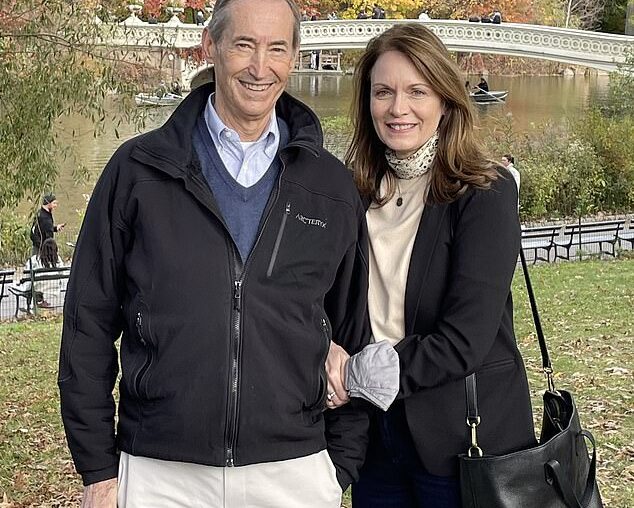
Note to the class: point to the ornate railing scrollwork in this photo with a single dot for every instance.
(576, 47)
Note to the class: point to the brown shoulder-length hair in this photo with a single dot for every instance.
(459, 161)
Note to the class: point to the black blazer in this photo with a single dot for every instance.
(459, 319)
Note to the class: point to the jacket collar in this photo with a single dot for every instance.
(170, 147)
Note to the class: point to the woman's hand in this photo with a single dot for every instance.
(336, 372)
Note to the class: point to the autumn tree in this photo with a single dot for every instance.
(153, 8)
(516, 11)
(196, 5)
(50, 66)
(585, 14)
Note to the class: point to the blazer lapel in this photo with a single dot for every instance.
(424, 245)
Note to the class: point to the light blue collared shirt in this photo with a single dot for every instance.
(246, 162)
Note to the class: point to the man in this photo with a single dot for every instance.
(200, 18)
(482, 86)
(227, 248)
(424, 16)
(44, 226)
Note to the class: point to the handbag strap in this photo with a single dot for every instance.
(473, 416)
(555, 475)
(546, 365)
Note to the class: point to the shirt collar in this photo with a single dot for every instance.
(219, 130)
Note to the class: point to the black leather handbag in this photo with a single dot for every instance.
(558, 473)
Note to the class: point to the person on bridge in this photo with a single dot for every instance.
(444, 240)
(228, 249)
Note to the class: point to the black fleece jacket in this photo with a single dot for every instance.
(222, 362)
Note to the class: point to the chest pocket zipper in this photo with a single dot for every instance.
(141, 374)
(278, 240)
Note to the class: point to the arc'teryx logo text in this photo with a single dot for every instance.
(311, 222)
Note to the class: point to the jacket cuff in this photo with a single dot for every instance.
(343, 478)
(90, 477)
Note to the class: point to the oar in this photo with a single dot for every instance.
(487, 92)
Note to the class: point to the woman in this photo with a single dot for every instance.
(47, 290)
(444, 240)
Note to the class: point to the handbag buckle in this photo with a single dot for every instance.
(550, 378)
(473, 423)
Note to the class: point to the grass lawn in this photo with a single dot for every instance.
(586, 313)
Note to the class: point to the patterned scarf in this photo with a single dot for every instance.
(416, 164)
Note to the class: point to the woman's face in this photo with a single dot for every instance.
(405, 110)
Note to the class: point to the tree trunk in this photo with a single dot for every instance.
(629, 19)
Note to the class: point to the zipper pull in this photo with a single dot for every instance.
(237, 294)
(139, 327)
(288, 208)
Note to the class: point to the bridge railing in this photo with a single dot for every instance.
(593, 49)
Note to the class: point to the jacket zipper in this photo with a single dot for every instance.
(236, 332)
(278, 240)
(235, 367)
(321, 393)
(148, 350)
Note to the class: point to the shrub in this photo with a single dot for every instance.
(15, 242)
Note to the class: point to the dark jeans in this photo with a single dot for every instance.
(393, 476)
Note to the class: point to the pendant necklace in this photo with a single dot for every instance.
(399, 200)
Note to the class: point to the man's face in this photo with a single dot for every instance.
(52, 205)
(505, 162)
(252, 60)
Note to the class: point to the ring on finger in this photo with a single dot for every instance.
(331, 395)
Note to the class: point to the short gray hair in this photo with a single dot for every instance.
(220, 19)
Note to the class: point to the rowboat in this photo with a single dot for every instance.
(147, 99)
(486, 97)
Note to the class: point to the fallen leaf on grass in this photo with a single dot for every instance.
(5, 501)
(617, 371)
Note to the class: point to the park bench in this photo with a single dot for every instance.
(34, 276)
(6, 278)
(538, 240)
(626, 234)
(604, 234)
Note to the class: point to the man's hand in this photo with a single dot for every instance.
(100, 495)
(336, 371)
(61, 226)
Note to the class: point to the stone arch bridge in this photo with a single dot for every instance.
(576, 47)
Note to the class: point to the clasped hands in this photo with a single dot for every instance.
(336, 373)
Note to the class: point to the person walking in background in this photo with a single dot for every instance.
(508, 161)
(228, 249)
(444, 240)
(44, 225)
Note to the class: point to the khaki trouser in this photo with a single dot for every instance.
(305, 482)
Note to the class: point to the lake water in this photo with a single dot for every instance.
(531, 100)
